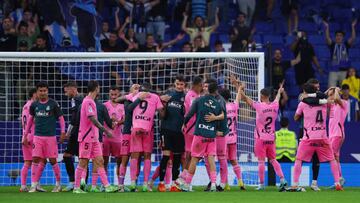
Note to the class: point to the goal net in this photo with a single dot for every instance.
(19, 72)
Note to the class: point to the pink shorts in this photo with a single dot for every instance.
(27, 151)
(232, 151)
(188, 142)
(141, 141)
(45, 147)
(90, 150)
(321, 147)
(203, 147)
(111, 148)
(125, 145)
(265, 148)
(221, 147)
(336, 143)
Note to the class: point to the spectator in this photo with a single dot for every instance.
(339, 53)
(8, 37)
(23, 35)
(129, 39)
(269, 9)
(353, 81)
(40, 44)
(138, 10)
(286, 142)
(156, 20)
(304, 70)
(247, 7)
(218, 47)
(186, 47)
(354, 113)
(289, 9)
(111, 44)
(23, 46)
(200, 46)
(32, 22)
(151, 45)
(199, 28)
(240, 34)
(279, 67)
(105, 34)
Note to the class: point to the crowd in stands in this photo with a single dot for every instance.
(317, 38)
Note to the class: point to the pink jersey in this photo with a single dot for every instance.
(190, 96)
(116, 112)
(88, 132)
(144, 113)
(232, 117)
(266, 114)
(314, 121)
(24, 118)
(337, 118)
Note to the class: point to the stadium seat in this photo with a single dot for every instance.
(275, 39)
(317, 39)
(264, 27)
(322, 52)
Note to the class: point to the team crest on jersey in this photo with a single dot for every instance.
(90, 109)
(48, 108)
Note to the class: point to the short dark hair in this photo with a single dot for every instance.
(225, 93)
(197, 80)
(284, 122)
(241, 13)
(218, 42)
(149, 35)
(187, 43)
(32, 91)
(71, 83)
(113, 32)
(313, 81)
(115, 88)
(23, 24)
(145, 87)
(309, 88)
(198, 37)
(266, 92)
(42, 84)
(212, 87)
(42, 36)
(345, 87)
(92, 85)
(339, 32)
(180, 78)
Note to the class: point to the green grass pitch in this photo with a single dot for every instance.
(352, 195)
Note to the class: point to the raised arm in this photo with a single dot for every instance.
(327, 33)
(183, 24)
(296, 60)
(216, 25)
(337, 97)
(280, 91)
(351, 40)
(245, 98)
(117, 20)
(172, 42)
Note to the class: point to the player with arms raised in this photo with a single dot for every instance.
(266, 114)
(89, 145)
(315, 139)
(44, 113)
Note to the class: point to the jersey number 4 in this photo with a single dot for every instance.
(319, 117)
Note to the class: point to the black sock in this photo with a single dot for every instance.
(315, 166)
(176, 166)
(87, 175)
(70, 169)
(163, 166)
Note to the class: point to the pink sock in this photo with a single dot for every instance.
(56, 170)
(223, 171)
(83, 175)
(237, 171)
(78, 173)
(24, 173)
(94, 178)
(133, 169)
(122, 174)
(168, 174)
(156, 173)
(183, 174)
(277, 168)
(189, 178)
(297, 171)
(103, 176)
(147, 169)
(207, 167)
(339, 168)
(335, 170)
(261, 171)
(40, 171)
(213, 176)
(34, 172)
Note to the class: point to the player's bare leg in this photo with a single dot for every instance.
(56, 170)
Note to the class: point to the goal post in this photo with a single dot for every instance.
(19, 72)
